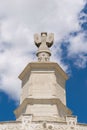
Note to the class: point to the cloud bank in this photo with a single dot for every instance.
(20, 19)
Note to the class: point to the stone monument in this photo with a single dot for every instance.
(43, 95)
(43, 42)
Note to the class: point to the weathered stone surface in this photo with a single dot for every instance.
(43, 91)
(26, 123)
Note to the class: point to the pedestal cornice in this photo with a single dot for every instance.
(43, 65)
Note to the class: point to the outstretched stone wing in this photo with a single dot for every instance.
(50, 39)
(37, 39)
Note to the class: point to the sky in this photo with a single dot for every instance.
(19, 21)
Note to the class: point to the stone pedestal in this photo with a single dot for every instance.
(43, 92)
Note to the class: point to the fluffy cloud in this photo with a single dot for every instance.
(78, 44)
(19, 20)
(77, 49)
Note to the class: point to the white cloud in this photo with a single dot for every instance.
(81, 61)
(19, 20)
(78, 44)
(77, 49)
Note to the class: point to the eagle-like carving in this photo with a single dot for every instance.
(47, 38)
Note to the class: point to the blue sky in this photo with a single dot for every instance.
(19, 20)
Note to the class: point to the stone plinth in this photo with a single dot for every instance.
(43, 91)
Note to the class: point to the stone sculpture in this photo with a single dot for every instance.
(43, 42)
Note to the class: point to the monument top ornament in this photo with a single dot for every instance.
(43, 42)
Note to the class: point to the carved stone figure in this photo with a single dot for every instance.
(43, 42)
